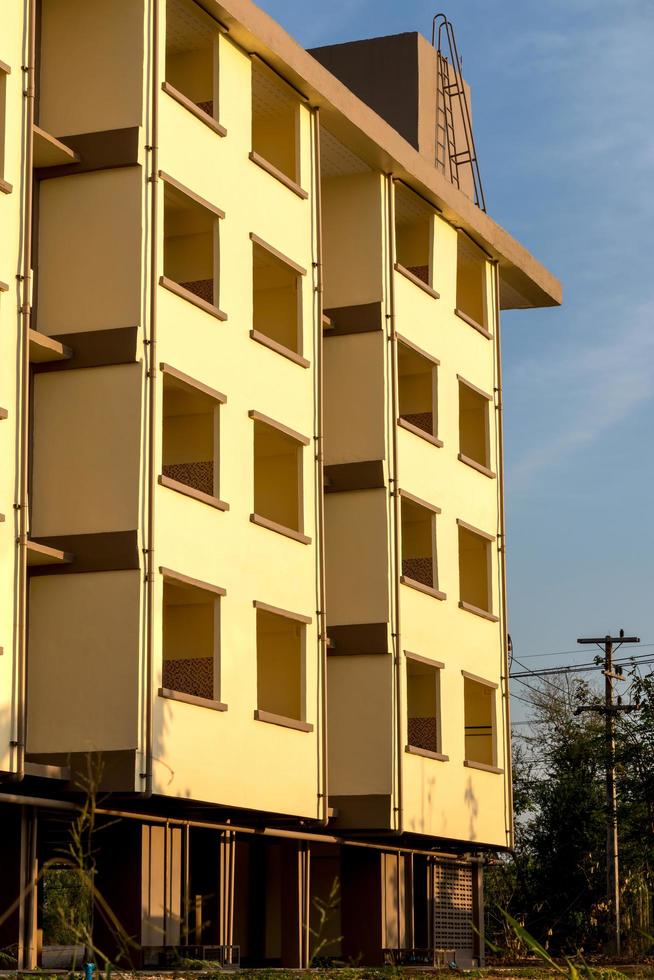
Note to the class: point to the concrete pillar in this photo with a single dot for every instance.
(295, 892)
(18, 880)
(362, 909)
(226, 902)
(478, 911)
(117, 917)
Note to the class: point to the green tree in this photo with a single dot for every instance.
(555, 882)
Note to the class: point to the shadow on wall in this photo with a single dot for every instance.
(159, 748)
(425, 823)
(473, 808)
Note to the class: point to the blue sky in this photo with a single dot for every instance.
(563, 96)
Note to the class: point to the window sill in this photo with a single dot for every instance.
(5, 187)
(186, 294)
(193, 108)
(262, 338)
(483, 767)
(473, 323)
(477, 466)
(282, 721)
(417, 282)
(426, 753)
(288, 532)
(271, 169)
(434, 440)
(205, 498)
(164, 692)
(478, 612)
(419, 587)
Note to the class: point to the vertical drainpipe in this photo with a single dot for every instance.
(151, 343)
(502, 532)
(25, 313)
(320, 459)
(397, 653)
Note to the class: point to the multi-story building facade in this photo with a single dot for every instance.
(252, 549)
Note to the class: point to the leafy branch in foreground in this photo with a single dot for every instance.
(573, 970)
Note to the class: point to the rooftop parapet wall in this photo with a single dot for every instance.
(397, 76)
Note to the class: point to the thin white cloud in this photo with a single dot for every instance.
(590, 387)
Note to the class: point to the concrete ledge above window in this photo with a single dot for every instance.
(283, 722)
(416, 281)
(483, 767)
(473, 323)
(193, 108)
(426, 753)
(192, 699)
(186, 294)
(483, 613)
(271, 169)
(420, 587)
(476, 466)
(205, 498)
(288, 532)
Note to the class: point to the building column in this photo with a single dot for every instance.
(295, 897)
(118, 882)
(18, 883)
(362, 912)
(478, 911)
(226, 904)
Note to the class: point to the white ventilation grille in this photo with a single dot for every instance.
(453, 907)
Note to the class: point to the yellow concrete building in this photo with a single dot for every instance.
(252, 540)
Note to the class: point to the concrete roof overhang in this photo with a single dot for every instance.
(524, 282)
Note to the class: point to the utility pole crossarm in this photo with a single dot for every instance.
(612, 639)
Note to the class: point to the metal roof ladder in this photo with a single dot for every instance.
(450, 98)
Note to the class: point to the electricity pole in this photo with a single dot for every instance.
(610, 710)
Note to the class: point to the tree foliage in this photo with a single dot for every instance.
(555, 883)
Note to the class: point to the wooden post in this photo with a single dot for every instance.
(226, 912)
(478, 910)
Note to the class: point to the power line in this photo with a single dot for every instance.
(524, 700)
(527, 669)
(577, 668)
(565, 653)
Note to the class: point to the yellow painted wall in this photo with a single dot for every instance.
(444, 799)
(354, 404)
(259, 765)
(188, 438)
(192, 73)
(86, 451)
(86, 700)
(92, 56)
(89, 251)
(360, 723)
(11, 52)
(356, 555)
(352, 239)
(280, 668)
